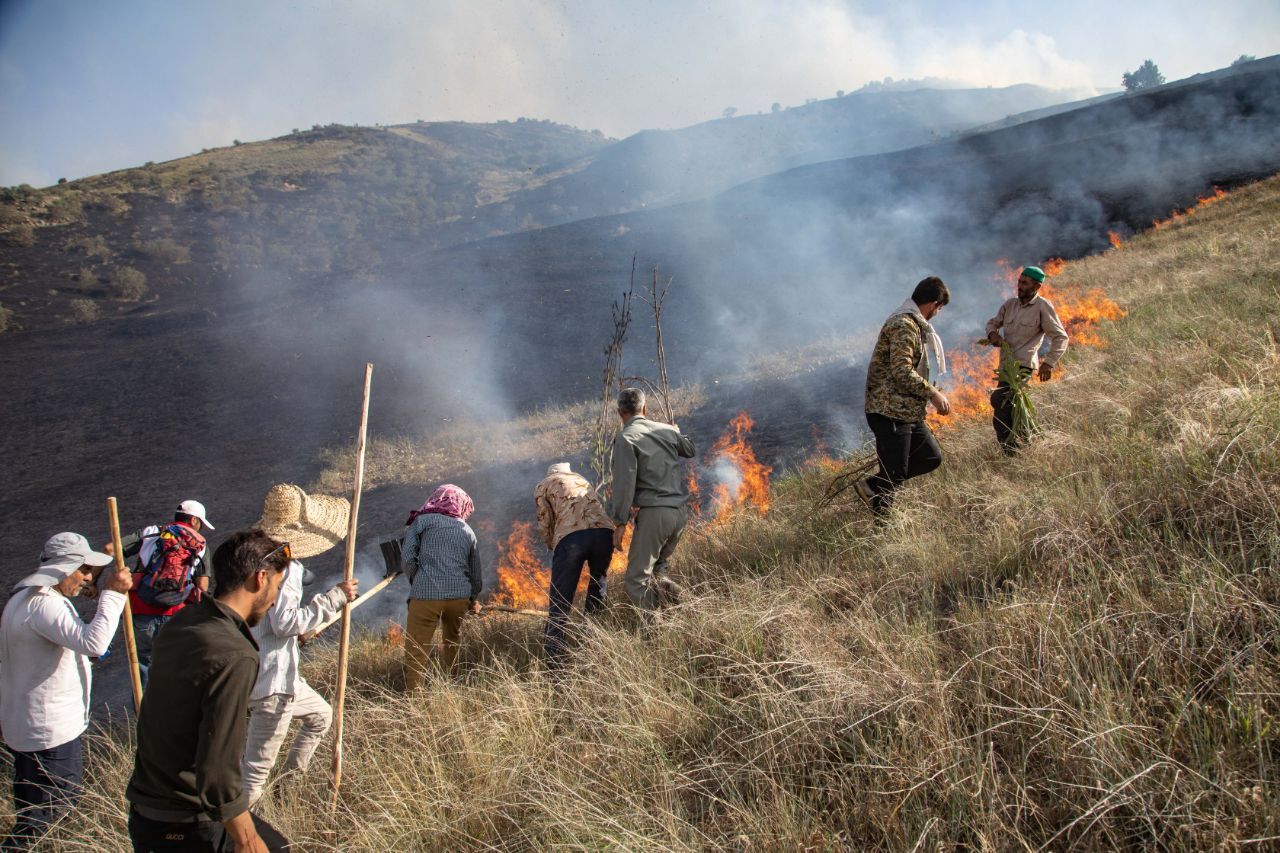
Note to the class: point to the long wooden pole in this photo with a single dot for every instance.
(348, 572)
(130, 641)
(365, 596)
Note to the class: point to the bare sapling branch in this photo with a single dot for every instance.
(663, 385)
(606, 420)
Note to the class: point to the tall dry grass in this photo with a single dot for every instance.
(1072, 649)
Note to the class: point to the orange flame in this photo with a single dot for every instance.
(1116, 242)
(617, 563)
(694, 490)
(395, 635)
(752, 486)
(821, 458)
(522, 579)
(1202, 202)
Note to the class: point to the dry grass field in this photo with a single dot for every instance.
(1075, 649)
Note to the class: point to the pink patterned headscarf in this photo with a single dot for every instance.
(446, 500)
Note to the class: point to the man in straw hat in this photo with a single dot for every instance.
(172, 572)
(186, 791)
(45, 678)
(647, 476)
(1026, 320)
(577, 530)
(899, 388)
(311, 524)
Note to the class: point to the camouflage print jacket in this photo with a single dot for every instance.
(898, 376)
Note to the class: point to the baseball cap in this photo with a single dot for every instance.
(195, 509)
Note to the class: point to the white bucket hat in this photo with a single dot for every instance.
(62, 555)
(195, 509)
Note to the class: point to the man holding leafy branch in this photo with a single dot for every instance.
(1019, 329)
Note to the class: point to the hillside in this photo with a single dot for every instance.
(1072, 649)
(267, 363)
(662, 167)
(343, 203)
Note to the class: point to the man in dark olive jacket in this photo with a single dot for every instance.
(186, 791)
(647, 476)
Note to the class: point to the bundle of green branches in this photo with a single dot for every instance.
(1017, 378)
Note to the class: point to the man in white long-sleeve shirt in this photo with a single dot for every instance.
(45, 678)
(281, 695)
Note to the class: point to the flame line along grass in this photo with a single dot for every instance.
(1081, 310)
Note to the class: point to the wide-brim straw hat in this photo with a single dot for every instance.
(311, 524)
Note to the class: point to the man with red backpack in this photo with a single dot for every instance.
(171, 572)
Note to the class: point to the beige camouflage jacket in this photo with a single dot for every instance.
(898, 376)
(566, 504)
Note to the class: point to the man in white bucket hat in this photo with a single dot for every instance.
(311, 524)
(45, 677)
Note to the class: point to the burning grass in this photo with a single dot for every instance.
(1072, 649)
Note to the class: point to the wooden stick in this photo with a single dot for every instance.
(130, 641)
(373, 590)
(348, 571)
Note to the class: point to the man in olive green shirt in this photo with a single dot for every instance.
(187, 792)
(647, 476)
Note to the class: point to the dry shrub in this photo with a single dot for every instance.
(84, 311)
(128, 284)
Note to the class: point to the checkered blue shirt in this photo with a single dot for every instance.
(439, 555)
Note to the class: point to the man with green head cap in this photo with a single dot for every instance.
(1022, 323)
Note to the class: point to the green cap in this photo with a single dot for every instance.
(1033, 273)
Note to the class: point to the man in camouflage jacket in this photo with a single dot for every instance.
(898, 388)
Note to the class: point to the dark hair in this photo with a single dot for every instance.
(184, 518)
(630, 401)
(241, 555)
(931, 289)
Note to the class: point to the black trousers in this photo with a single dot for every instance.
(905, 449)
(1002, 415)
(593, 547)
(45, 784)
(206, 836)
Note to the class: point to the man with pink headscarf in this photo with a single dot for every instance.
(440, 558)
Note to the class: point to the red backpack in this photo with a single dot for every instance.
(167, 577)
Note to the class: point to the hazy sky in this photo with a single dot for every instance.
(92, 85)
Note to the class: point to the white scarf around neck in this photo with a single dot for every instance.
(937, 357)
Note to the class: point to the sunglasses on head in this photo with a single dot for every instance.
(282, 547)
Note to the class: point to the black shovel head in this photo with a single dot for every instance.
(391, 555)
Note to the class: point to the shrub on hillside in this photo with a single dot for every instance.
(15, 194)
(128, 284)
(84, 311)
(6, 316)
(94, 246)
(106, 202)
(66, 208)
(21, 235)
(87, 278)
(166, 250)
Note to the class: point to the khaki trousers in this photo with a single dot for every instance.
(656, 534)
(269, 720)
(420, 634)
